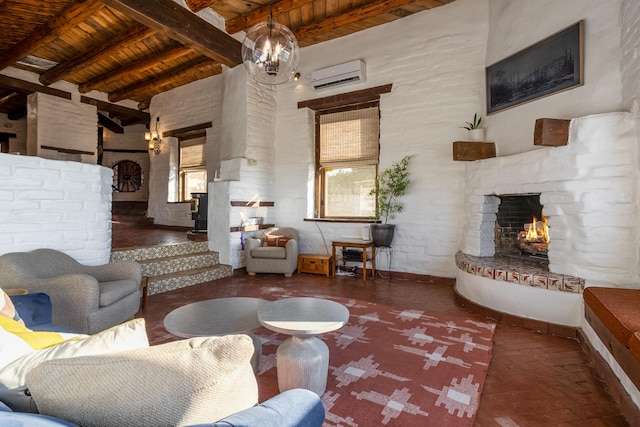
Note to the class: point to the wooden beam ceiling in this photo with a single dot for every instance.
(134, 67)
(136, 91)
(135, 49)
(71, 17)
(247, 20)
(83, 59)
(198, 5)
(349, 17)
(172, 19)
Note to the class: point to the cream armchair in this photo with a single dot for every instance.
(85, 299)
(274, 250)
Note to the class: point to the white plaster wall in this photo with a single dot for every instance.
(517, 24)
(17, 145)
(438, 83)
(188, 105)
(630, 64)
(61, 123)
(55, 204)
(559, 308)
(246, 161)
(131, 139)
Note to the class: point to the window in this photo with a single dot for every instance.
(192, 168)
(347, 148)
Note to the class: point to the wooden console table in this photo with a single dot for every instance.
(361, 244)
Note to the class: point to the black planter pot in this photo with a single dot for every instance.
(382, 234)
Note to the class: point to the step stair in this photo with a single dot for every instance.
(176, 266)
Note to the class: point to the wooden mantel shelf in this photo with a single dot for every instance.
(471, 150)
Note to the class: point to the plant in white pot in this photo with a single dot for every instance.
(476, 133)
(391, 184)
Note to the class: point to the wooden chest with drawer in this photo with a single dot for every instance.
(315, 264)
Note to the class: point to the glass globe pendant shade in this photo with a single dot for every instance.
(270, 53)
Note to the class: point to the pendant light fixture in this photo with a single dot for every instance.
(270, 52)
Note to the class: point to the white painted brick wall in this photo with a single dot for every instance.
(55, 204)
(589, 190)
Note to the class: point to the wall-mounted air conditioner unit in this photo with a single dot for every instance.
(349, 72)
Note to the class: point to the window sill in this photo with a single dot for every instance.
(344, 220)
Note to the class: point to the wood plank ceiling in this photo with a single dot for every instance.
(135, 49)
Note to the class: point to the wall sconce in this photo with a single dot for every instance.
(154, 138)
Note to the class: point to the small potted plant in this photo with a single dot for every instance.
(391, 184)
(476, 133)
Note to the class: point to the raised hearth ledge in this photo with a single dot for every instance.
(559, 305)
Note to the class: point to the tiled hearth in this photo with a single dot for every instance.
(518, 272)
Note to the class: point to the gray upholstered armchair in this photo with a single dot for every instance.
(274, 250)
(85, 299)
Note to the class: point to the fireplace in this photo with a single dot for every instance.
(587, 189)
(521, 230)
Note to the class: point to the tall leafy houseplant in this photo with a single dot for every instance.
(391, 184)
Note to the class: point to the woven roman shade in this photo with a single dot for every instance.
(192, 153)
(349, 138)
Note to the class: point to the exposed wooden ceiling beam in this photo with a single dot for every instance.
(198, 5)
(143, 105)
(134, 68)
(127, 37)
(116, 109)
(349, 17)
(109, 124)
(69, 18)
(184, 26)
(247, 20)
(143, 89)
(27, 88)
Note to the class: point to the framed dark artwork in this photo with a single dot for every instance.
(551, 65)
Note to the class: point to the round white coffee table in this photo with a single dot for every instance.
(220, 316)
(303, 359)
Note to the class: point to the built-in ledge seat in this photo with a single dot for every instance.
(614, 315)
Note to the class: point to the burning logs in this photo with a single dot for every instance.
(535, 237)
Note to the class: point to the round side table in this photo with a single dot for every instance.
(303, 359)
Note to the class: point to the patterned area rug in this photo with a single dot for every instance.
(394, 367)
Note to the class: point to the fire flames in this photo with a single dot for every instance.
(538, 231)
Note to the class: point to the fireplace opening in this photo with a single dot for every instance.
(521, 229)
